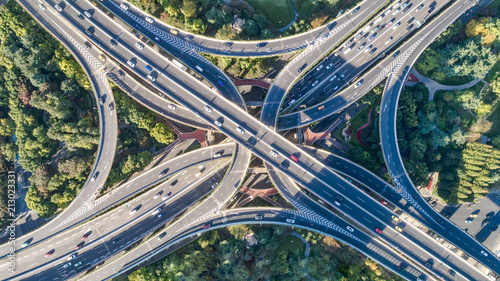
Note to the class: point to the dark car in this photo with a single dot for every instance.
(406, 69)
(189, 37)
(302, 67)
(410, 27)
(396, 53)
(113, 43)
(85, 236)
(451, 272)
(227, 44)
(411, 20)
(206, 226)
(111, 106)
(162, 174)
(95, 176)
(121, 73)
(261, 44)
(220, 83)
(338, 65)
(81, 17)
(79, 245)
(138, 27)
(48, 254)
(116, 240)
(88, 45)
(407, 8)
(162, 235)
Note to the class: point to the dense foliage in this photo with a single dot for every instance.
(208, 17)
(463, 52)
(440, 136)
(245, 68)
(139, 117)
(42, 90)
(222, 255)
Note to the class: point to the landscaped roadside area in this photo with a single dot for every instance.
(279, 13)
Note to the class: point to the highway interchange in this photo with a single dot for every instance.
(196, 103)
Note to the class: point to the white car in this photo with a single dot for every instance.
(347, 50)
(396, 11)
(240, 130)
(165, 197)
(319, 67)
(388, 40)
(157, 195)
(123, 6)
(171, 106)
(217, 155)
(358, 84)
(139, 46)
(333, 77)
(133, 212)
(368, 49)
(87, 14)
(149, 19)
(217, 123)
(214, 185)
(156, 211)
(350, 228)
(484, 253)
(131, 63)
(58, 8)
(329, 66)
(396, 26)
(72, 257)
(151, 77)
(273, 153)
(208, 109)
(67, 265)
(290, 221)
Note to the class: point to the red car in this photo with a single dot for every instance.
(206, 226)
(49, 253)
(383, 202)
(294, 158)
(338, 65)
(85, 236)
(378, 230)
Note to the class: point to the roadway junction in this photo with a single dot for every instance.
(167, 206)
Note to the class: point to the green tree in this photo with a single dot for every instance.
(162, 133)
(225, 33)
(428, 61)
(70, 87)
(189, 8)
(195, 26)
(251, 28)
(440, 138)
(7, 127)
(214, 16)
(35, 202)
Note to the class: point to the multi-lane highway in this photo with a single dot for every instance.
(107, 146)
(214, 103)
